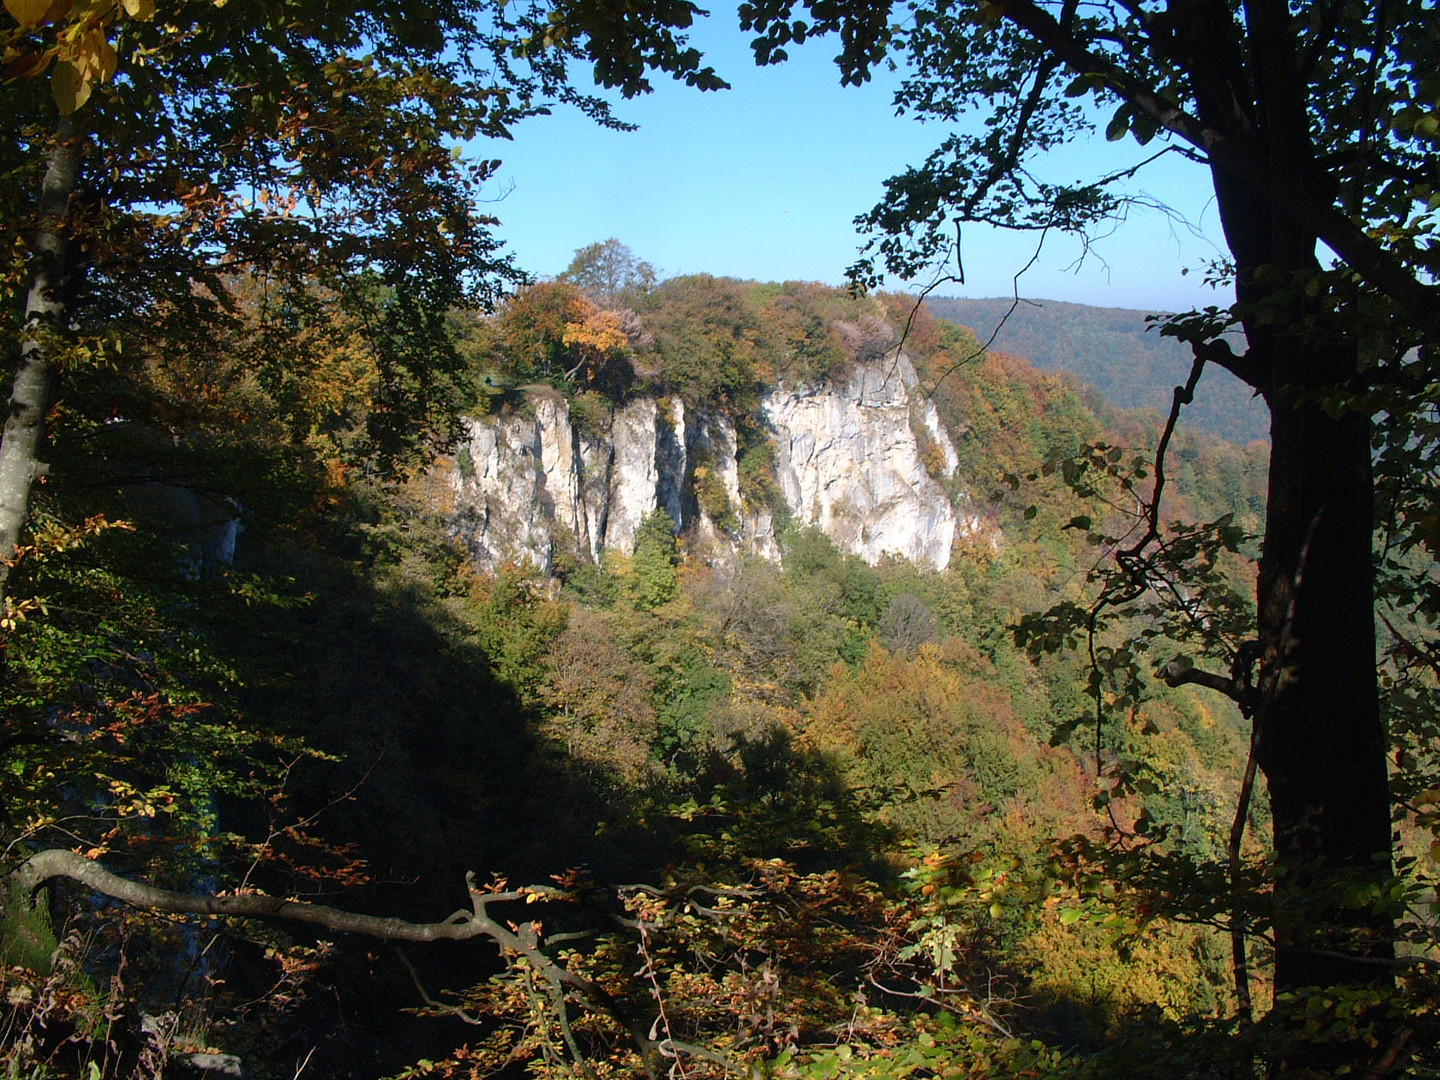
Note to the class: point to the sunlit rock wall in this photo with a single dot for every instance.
(531, 485)
(849, 462)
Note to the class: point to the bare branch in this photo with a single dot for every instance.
(1179, 672)
(59, 863)
(1184, 395)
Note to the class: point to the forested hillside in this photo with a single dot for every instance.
(837, 792)
(1136, 776)
(1118, 351)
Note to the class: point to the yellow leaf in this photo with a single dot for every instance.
(27, 12)
(69, 86)
(96, 57)
(144, 10)
(1435, 851)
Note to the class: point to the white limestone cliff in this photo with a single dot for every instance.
(850, 463)
(847, 458)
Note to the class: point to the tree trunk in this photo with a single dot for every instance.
(1319, 738)
(47, 309)
(1321, 745)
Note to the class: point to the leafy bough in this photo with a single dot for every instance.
(521, 942)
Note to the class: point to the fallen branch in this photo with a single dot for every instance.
(58, 863)
(522, 940)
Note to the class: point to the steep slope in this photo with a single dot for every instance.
(1115, 351)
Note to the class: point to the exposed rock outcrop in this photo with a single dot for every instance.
(849, 460)
(857, 458)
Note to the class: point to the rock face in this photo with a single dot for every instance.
(856, 458)
(849, 460)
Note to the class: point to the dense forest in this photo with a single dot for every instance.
(1142, 781)
(1120, 352)
(865, 811)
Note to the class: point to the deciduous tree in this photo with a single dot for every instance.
(609, 273)
(1317, 125)
(158, 148)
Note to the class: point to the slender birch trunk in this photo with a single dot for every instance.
(46, 316)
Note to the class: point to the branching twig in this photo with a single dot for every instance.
(431, 1003)
(1183, 396)
(1014, 305)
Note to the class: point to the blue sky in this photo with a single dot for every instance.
(764, 180)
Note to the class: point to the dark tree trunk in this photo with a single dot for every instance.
(1319, 739)
(1320, 744)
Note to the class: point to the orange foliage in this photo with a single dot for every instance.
(599, 332)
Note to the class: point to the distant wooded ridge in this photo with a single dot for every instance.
(1114, 350)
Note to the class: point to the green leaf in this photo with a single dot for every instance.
(1119, 124)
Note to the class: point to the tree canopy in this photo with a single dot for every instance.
(1317, 124)
(609, 273)
(232, 240)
